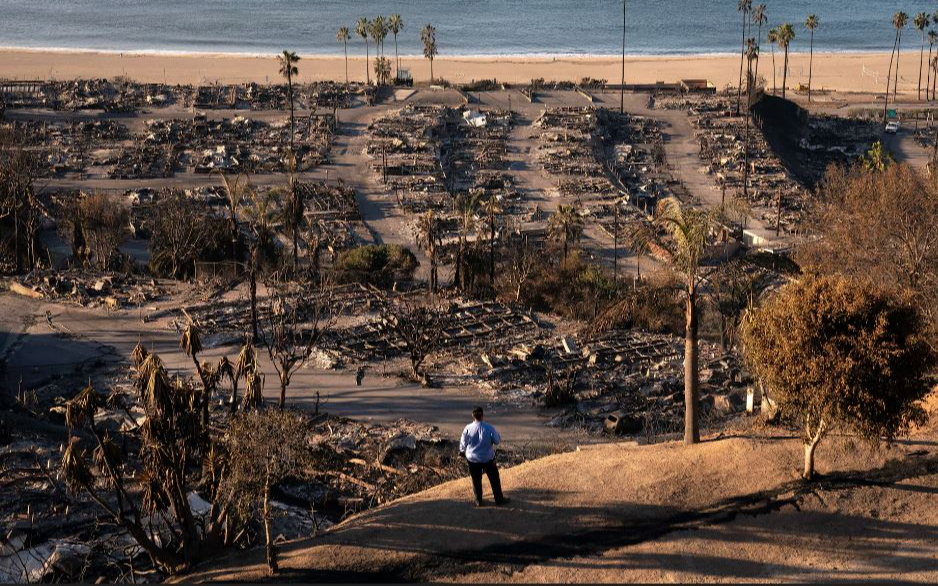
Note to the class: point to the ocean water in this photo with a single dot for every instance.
(464, 27)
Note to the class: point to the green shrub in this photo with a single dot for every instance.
(377, 264)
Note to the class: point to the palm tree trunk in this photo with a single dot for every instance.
(785, 74)
(774, 85)
(921, 58)
(895, 85)
(431, 70)
(759, 44)
(811, 67)
(397, 61)
(934, 81)
(742, 55)
(268, 539)
(892, 56)
(254, 294)
(691, 390)
(367, 72)
(346, 62)
(290, 97)
(928, 69)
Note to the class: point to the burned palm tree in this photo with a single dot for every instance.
(154, 480)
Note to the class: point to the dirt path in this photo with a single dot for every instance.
(636, 507)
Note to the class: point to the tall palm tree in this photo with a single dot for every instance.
(565, 226)
(759, 17)
(786, 34)
(428, 37)
(288, 69)
(772, 39)
(378, 32)
(396, 25)
(743, 6)
(900, 20)
(752, 55)
(932, 39)
(688, 230)
(921, 22)
(934, 75)
(811, 23)
(343, 35)
(361, 29)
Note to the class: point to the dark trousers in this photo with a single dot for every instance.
(490, 470)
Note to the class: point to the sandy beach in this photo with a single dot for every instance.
(858, 72)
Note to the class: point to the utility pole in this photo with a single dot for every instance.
(622, 89)
(778, 216)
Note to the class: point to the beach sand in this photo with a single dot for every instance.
(857, 72)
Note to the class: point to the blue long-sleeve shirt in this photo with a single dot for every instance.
(478, 442)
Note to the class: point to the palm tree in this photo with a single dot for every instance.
(934, 74)
(288, 69)
(396, 25)
(932, 39)
(361, 29)
(772, 38)
(428, 37)
(921, 22)
(752, 54)
(811, 24)
(786, 34)
(492, 209)
(378, 32)
(234, 192)
(688, 230)
(901, 20)
(343, 37)
(566, 226)
(759, 17)
(428, 234)
(744, 6)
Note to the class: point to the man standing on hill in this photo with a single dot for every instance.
(477, 445)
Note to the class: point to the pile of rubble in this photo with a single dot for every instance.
(567, 145)
(242, 144)
(834, 140)
(472, 327)
(88, 289)
(404, 147)
(124, 95)
(722, 137)
(66, 146)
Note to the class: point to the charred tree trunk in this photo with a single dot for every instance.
(691, 390)
(268, 540)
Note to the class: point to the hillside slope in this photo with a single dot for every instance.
(726, 509)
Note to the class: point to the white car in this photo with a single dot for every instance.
(892, 128)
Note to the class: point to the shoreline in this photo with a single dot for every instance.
(840, 71)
